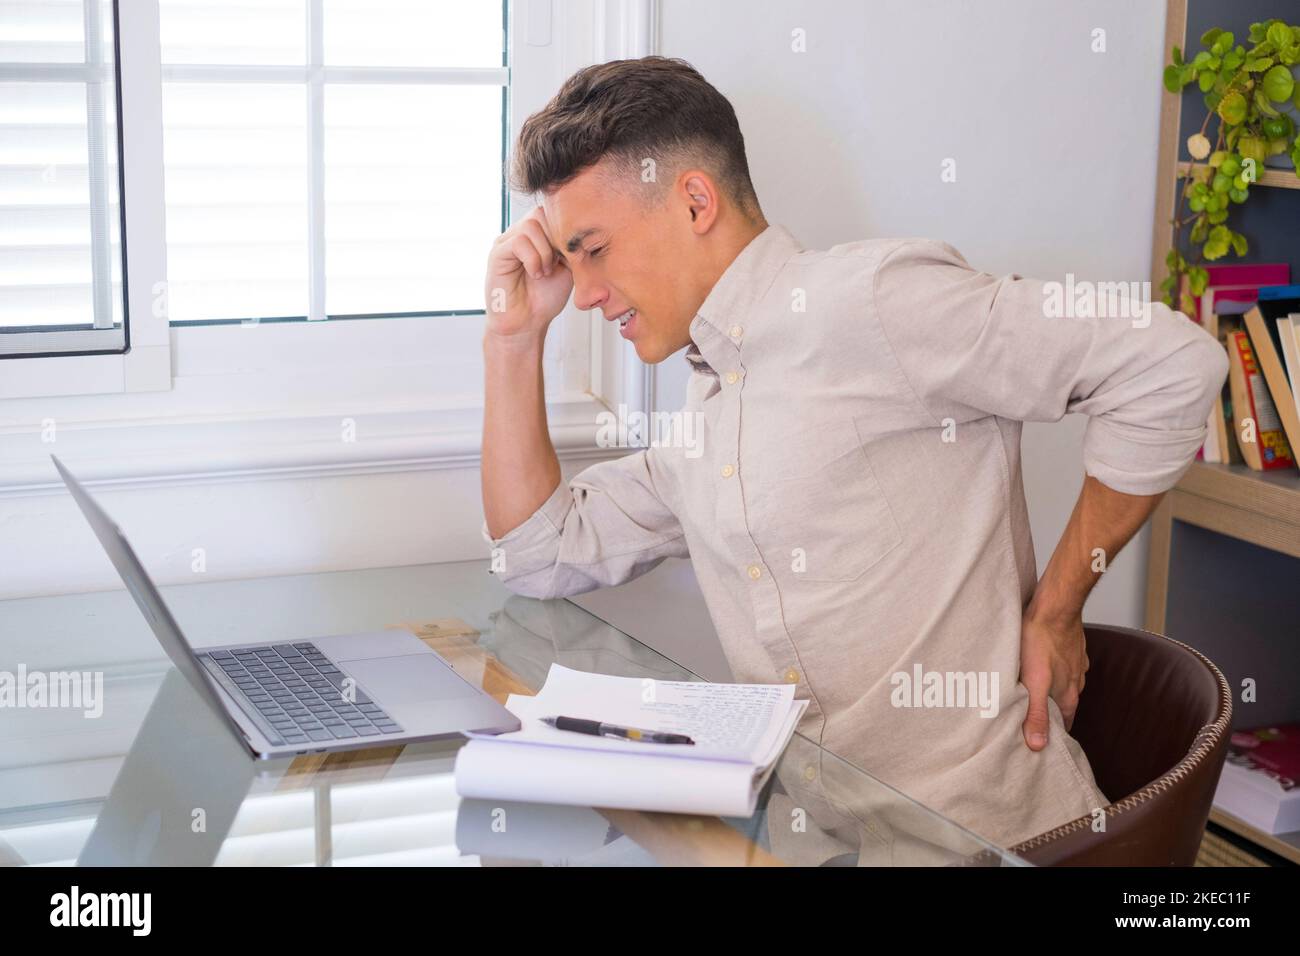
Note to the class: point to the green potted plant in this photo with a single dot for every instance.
(1254, 93)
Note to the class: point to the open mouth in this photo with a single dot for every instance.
(627, 323)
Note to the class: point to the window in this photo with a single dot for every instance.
(291, 160)
(342, 160)
(61, 252)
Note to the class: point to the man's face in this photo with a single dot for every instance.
(630, 256)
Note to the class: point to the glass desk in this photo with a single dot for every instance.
(155, 777)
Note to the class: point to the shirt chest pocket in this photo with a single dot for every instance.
(815, 508)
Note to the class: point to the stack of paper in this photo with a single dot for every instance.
(739, 731)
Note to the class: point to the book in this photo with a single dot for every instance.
(1261, 324)
(1295, 333)
(1227, 288)
(1219, 445)
(740, 731)
(1240, 278)
(1286, 333)
(1260, 783)
(1256, 424)
(1217, 298)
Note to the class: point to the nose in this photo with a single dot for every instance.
(587, 294)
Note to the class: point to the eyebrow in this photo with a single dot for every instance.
(576, 239)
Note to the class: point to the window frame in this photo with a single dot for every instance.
(103, 336)
(141, 362)
(243, 402)
(312, 76)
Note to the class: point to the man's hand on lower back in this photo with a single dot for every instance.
(1053, 652)
(1053, 660)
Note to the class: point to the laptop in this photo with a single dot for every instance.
(309, 695)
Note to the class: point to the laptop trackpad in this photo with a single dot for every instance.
(408, 679)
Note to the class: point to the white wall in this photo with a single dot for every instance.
(1055, 148)
(217, 529)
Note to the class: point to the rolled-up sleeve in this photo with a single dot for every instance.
(605, 526)
(972, 344)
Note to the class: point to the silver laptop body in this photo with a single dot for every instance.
(341, 692)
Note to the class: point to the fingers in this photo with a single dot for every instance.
(531, 229)
(537, 217)
(523, 249)
(1035, 726)
(524, 244)
(1037, 720)
(1068, 710)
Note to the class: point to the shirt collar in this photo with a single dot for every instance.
(744, 282)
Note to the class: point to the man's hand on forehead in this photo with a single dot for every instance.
(539, 213)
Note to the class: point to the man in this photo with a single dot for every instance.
(854, 509)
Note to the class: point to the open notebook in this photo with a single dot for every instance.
(739, 732)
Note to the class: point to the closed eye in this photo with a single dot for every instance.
(597, 252)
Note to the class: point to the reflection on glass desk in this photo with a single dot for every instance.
(157, 778)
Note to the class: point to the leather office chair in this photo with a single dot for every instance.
(1154, 719)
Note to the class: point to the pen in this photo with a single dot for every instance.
(598, 729)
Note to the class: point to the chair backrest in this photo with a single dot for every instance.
(1154, 720)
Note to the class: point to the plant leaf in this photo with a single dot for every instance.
(1252, 147)
(1232, 108)
(1278, 84)
(1279, 34)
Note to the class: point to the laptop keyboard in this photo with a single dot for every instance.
(298, 691)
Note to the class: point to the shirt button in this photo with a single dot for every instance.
(755, 571)
(792, 676)
(728, 471)
(732, 378)
(810, 773)
(735, 331)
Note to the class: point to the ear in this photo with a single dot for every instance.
(701, 195)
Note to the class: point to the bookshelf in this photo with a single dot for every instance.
(1276, 178)
(1223, 571)
(1223, 575)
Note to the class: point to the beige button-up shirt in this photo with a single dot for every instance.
(849, 493)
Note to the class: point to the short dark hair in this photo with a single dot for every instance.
(653, 107)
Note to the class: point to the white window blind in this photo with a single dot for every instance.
(342, 159)
(60, 215)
